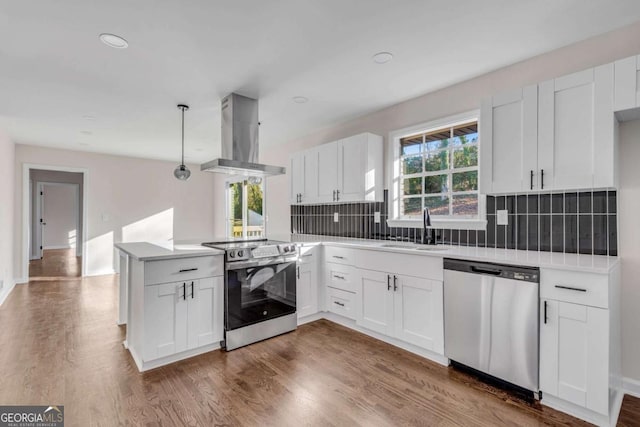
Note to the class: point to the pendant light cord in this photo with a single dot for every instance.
(182, 108)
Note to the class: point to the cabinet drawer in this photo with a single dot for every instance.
(341, 277)
(179, 269)
(342, 303)
(339, 255)
(575, 287)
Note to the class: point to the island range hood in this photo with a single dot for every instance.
(240, 140)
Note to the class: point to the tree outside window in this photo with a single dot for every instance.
(245, 198)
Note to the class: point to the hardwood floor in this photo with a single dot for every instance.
(61, 345)
(56, 263)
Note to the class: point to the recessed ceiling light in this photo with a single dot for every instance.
(300, 99)
(114, 41)
(382, 57)
(86, 132)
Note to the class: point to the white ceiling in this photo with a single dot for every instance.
(55, 71)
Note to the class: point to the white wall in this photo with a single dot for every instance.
(629, 245)
(462, 97)
(6, 214)
(59, 204)
(467, 96)
(128, 199)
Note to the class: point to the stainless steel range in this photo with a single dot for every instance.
(260, 290)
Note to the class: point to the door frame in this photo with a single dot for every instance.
(76, 195)
(26, 226)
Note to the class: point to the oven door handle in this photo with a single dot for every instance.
(241, 265)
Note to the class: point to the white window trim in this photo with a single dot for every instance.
(228, 229)
(395, 220)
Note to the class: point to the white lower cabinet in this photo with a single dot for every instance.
(182, 316)
(574, 354)
(307, 281)
(404, 307)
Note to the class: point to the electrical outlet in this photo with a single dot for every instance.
(503, 217)
(376, 217)
(336, 217)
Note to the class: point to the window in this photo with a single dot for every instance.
(439, 170)
(245, 202)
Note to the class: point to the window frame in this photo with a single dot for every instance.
(396, 219)
(228, 228)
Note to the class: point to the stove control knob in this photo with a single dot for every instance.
(232, 254)
(240, 254)
(286, 249)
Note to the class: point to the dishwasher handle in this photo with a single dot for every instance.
(484, 270)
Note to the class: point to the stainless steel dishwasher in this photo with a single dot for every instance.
(491, 319)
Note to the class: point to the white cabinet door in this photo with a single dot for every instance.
(205, 298)
(296, 177)
(374, 309)
(310, 186)
(327, 172)
(419, 317)
(351, 168)
(306, 290)
(509, 138)
(627, 92)
(165, 320)
(574, 357)
(576, 130)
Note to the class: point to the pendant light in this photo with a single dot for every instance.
(182, 172)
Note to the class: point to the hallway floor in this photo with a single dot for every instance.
(56, 263)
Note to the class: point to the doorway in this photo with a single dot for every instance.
(56, 224)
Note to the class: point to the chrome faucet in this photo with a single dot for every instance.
(428, 237)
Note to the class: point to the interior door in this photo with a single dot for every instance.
(40, 218)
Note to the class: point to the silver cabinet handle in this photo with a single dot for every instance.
(571, 288)
(184, 291)
(545, 312)
(339, 277)
(337, 195)
(186, 270)
(338, 257)
(334, 195)
(341, 304)
(298, 272)
(388, 282)
(192, 294)
(395, 283)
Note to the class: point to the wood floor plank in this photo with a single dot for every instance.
(61, 345)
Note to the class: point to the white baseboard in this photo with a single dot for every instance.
(631, 387)
(6, 290)
(22, 281)
(104, 272)
(56, 247)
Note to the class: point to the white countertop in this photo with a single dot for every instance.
(556, 260)
(150, 251)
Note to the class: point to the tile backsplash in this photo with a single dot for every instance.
(572, 222)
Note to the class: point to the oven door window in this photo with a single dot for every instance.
(259, 293)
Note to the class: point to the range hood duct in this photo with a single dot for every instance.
(240, 140)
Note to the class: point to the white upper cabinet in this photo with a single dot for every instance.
(348, 170)
(576, 130)
(627, 89)
(304, 177)
(360, 168)
(509, 138)
(296, 181)
(557, 135)
(327, 172)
